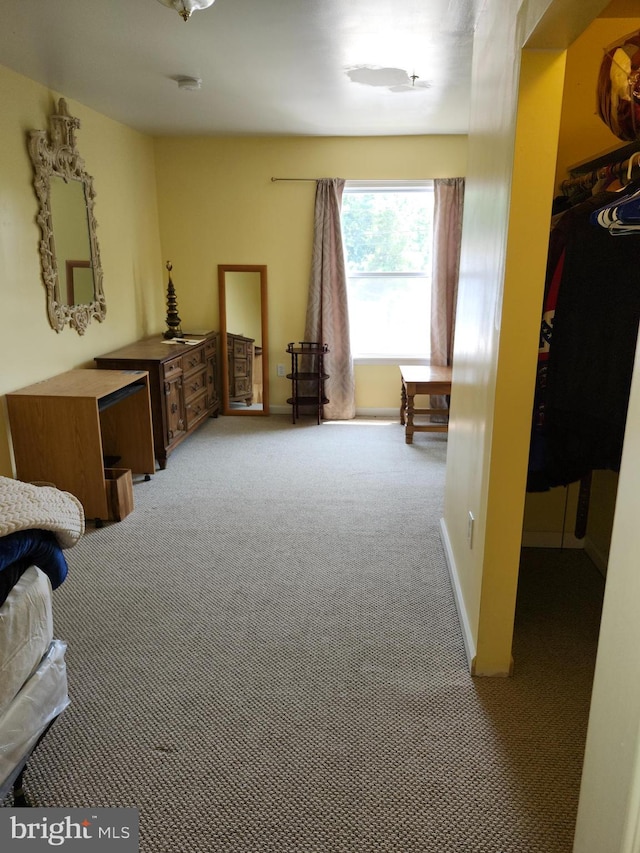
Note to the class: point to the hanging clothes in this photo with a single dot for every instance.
(587, 345)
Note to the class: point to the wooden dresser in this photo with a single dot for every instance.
(240, 361)
(183, 381)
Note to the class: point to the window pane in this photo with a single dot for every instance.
(387, 231)
(387, 234)
(390, 316)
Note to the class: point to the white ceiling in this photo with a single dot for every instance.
(291, 67)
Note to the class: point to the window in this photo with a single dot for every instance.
(387, 231)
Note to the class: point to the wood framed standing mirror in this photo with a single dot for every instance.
(69, 253)
(242, 291)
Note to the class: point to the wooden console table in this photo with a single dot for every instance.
(423, 379)
(64, 428)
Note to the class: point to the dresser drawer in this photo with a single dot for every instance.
(241, 349)
(241, 386)
(196, 409)
(240, 368)
(172, 368)
(194, 383)
(194, 359)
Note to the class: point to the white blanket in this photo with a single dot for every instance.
(24, 506)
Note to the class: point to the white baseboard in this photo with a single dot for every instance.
(389, 414)
(393, 414)
(550, 539)
(467, 635)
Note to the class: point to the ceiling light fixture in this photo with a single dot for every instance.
(186, 7)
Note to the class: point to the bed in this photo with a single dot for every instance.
(37, 523)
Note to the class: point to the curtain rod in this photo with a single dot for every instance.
(295, 179)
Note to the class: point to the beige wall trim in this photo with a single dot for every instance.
(467, 636)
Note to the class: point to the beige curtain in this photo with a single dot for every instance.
(447, 232)
(327, 310)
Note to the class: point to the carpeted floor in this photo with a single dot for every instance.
(264, 657)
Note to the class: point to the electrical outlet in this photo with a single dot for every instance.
(281, 370)
(470, 524)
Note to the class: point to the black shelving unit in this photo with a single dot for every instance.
(307, 378)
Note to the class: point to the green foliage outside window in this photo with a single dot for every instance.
(387, 231)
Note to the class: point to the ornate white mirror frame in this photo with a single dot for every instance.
(58, 157)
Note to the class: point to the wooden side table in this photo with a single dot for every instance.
(307, 378)
(423, 379)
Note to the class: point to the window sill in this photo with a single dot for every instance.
(389, 359)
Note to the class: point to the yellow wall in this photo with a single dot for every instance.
(536, 135)
(377, 386)
(121, 162)
(583, 134)
(218, 206)
(496, 327)
(243, 305)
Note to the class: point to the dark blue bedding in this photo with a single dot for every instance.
(26, 548)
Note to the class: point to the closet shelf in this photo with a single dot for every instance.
(606, 158)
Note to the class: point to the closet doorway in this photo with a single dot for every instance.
(580, 515)
(599, 524)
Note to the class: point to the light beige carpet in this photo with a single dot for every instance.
(265, 658)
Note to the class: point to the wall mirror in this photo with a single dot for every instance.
(69, 254)
(242, 292)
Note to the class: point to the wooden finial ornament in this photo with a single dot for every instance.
(173, 319)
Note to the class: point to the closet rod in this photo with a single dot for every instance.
(295, 179)
(613, 170)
